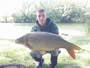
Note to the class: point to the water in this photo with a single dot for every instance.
(15, 30)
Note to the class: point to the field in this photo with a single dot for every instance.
(11, 53)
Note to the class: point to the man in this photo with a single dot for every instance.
(44, 24)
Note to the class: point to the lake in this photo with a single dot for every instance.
(15, 30)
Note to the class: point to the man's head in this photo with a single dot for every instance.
(41, 17)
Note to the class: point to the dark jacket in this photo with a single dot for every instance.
(49, 27)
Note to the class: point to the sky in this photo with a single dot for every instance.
(7, 7)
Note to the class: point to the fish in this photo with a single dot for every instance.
(45, 41)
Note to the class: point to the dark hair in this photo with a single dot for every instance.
(41, 10)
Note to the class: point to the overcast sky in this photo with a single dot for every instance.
(7, 7)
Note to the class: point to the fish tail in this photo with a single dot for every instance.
(71, 51)
(75, 47)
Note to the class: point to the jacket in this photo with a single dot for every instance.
(48, 27)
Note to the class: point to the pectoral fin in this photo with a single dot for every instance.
(42, 51)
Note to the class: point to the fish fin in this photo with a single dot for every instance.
(42, 51)
(76, 47)
(71, 53)
(71, 50)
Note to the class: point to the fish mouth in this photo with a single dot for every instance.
(17, 41)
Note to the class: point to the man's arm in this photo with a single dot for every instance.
(54, 29)
(35, 29)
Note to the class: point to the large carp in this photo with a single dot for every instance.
(44, 41)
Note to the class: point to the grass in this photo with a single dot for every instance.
(12, 53)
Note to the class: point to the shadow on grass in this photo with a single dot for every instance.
(63, 66)
(44, 66)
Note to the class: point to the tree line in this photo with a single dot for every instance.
(59, 12)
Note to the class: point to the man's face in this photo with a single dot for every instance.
(41, 17)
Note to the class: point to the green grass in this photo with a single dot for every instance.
(11, 54)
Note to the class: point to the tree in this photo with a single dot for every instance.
(26, 13)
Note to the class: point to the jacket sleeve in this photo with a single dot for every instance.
(54, 29)
(34, 29)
